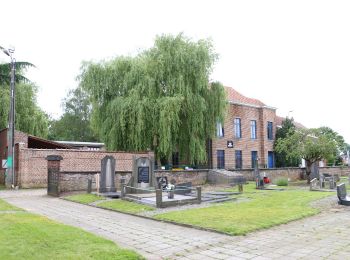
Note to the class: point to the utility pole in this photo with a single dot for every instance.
(10, 176)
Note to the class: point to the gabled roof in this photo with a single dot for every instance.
(234, 96)
(280, 119)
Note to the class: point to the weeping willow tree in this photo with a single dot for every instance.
(160, 99)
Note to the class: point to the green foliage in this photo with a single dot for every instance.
(264, 209)
(161, 99)
(5, 72)
(310, 144)
(334, 159)
(74, 124)
(29, 116)
(282, 182)
(281, 157)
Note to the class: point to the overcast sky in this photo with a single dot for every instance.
(293, 55)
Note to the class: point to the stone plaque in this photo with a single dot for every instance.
(143, 175)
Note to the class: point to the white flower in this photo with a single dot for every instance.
(170, 187)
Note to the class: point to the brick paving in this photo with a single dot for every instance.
(325, 236)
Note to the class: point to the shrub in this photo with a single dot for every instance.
(282, 182)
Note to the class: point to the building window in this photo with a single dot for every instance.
(220, 159)
(253, 129)
(219, 130)
(254, 158)
(269, 130)
(237, 125)
(271, 159)
(238, 157)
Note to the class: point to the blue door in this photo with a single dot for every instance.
(271, 160)
(254, 158)
(220, 159)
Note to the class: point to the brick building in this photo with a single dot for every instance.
(31, 165)
(247, 133)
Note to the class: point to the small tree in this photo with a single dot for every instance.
(74, 124)
(282, 160)
(310, 144)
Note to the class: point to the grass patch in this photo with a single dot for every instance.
(263, 210)
(30, 236)
(4, 206)
(125, 206)
(85, 198)
(282, 182)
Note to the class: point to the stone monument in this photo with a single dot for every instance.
(142, 173)
(107, 183)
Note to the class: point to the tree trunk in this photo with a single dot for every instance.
(308, 170)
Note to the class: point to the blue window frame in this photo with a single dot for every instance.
(238, 159)
(270, 130)
(253, 129)
(220, 159)
(237, 126)
(254, 157)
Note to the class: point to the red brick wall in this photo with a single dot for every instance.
(262, 145)
(32, 170)
(20, 137)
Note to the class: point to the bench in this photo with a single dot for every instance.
(341, 192)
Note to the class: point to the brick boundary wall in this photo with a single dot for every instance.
(78, 181)
(342, 170)
(292, 173)
(197, 177)
(32, 172)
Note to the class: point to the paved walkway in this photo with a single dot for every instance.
(323, 236)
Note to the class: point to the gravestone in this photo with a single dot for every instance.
(142, 173)
(259, 181)
(107, 183)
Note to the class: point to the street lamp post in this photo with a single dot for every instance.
(10, 176)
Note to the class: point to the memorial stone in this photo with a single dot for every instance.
(142, 174)
(107, 183)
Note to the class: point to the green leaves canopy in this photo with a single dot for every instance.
(29, 117)
(74, 124)
(287, 128)
(161, 99)
(310, 144)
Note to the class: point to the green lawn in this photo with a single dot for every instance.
(5, 206)
(29, 236)
(85, 198)
(263, 209)
(125, 206)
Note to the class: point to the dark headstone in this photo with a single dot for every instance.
(341, 191)
(142, 174)
(107, 183)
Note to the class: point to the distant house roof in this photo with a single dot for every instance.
(235, 97)
(81, 144)
(40, 143)
(280, 119)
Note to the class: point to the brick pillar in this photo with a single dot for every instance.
(53, 169)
